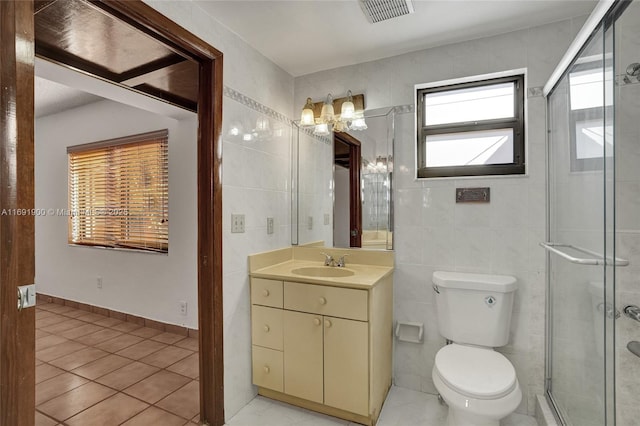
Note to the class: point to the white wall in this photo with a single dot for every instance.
(256, 181)
(432, 232)
(144, 284)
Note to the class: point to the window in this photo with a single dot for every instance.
(589, 102)
(118, 193)
(471, 129)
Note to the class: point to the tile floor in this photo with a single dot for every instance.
(403, 407)
(92, 370)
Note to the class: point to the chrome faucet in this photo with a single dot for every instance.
(341, 263)
(328, 260)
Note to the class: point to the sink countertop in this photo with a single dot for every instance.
(365, 276)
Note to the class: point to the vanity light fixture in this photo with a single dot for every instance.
(323, 115)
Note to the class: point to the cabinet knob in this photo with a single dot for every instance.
(266, 328)
(327, 323)
(322, 301)
(265, 292)
(317, 321)
(267, 369)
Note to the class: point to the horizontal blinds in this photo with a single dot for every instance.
(118, 193)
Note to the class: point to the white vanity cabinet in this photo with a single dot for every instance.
(323, 347)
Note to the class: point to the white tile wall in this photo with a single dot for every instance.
(432, 231)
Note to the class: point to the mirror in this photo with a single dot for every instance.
(342, 185)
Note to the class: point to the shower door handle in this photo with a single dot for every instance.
(595, 259)
(632, 311)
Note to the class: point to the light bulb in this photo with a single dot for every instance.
(321, 129)
(327, 114)
(348, 110)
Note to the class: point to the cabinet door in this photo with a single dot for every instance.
(346, 365)
(303, 355)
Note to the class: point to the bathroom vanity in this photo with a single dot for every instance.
(322, 335)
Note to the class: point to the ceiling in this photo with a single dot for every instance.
(51, 97)
(307, 36)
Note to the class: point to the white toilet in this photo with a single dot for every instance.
(474, 312)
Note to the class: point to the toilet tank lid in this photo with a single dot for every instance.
(462, 280)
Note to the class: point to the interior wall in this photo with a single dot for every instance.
(253, 179)
(145, 284)
(432, 232)
(341, 207)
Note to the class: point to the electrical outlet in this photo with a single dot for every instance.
(183, 308)
(99, 282)
(310, 222)
(269, 225)
(327, 219)
(237, 223)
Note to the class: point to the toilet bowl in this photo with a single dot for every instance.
(478, 384)
(474, 313)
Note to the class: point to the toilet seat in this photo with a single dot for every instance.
(478, 373)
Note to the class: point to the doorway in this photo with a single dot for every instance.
(161, 77)
(348, 195)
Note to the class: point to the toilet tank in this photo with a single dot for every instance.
(474, 308)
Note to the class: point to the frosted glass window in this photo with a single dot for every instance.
(470, 148)
(472, 128)
(470, 104)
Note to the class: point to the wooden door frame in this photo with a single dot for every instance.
(17, 240)
(355, 195)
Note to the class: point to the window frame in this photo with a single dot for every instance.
(517, 123)
(160, 140)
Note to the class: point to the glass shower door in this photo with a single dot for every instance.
(580, 170)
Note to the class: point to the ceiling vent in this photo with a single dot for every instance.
(382, 10)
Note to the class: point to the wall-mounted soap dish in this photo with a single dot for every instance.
(409, 332)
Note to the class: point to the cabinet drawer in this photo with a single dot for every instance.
(324, 300)
(266, 292)
(267, 368)
(266, 327)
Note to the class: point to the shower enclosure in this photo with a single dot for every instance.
(593, 244)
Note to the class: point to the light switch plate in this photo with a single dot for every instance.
(237, 223)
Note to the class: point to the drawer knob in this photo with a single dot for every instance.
(327, 323)
(266, 328)
(265, 292)
(317, 321)
(322, 301)
(267, 369)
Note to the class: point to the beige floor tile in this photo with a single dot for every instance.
(75, 313)
(79, 358)
(48, 341)
(126, 327)
(146, 332)
(112, 411)
(155, 416)
(38, 362)
(189, 343)
(98, 337)
(142, 349)
(43, 314)
(59, 309)
(76, 400)
(184, 402)
(108, 322)
(154, 388)
(57, 385)
(57, 351)
(65, 325)
(189, 367)
(91, 317)
(50, 320)
(118, 343)
(126, 376)
(40, 334)
(166, 356)
(102, 366)
(46, 371)
(168, 338)
(42, 420)
(82, 330)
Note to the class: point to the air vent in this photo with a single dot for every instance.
(382, 10)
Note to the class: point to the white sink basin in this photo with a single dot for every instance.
(323, 272)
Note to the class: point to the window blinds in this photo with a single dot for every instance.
(118, 193)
